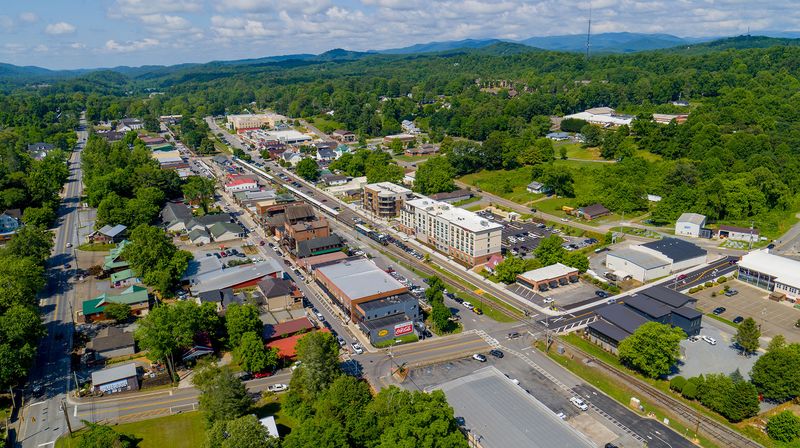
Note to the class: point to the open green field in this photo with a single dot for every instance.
(411, 159)
(508, 184)
(96, 247)
(324, 123)
(577, 151)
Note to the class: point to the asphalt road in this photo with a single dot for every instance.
(42, 421)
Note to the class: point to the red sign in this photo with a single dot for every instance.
(401, 329)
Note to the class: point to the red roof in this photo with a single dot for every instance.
(240, 181)
(494, 261)
(287, 328)
(286, 346)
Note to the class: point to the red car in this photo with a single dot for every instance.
(682, 276)
(262, 374)
(262, 243)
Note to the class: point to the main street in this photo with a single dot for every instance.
(41, 420)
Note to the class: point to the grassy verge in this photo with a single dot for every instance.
(622, 393)
(96, 247)
(722, 319)
(638, 232)
(186, 430)
(475, 198)
(411, 159)
(403, 340)
(487, 308)
(577, 151)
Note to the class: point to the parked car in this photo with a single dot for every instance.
(710, 340)
(319, 315)
(477, 311)
(731, 292)
(682, 276)
(479, 357)
(513, 335)
(496, 353)
(264, 374)
(468, 305)
(600, 293)
(738, 319)
(278, 388)
(341, 340)
(357, 348)
(719, 310)
(578, 403)
(548, 300)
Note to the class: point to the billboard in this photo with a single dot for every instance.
(404, 328)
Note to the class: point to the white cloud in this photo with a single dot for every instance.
(59, 28)
(130, 46)
(146, 7)
(77, 46)
(303, 6)
(41, 48)
(163, 20)
(28, 17)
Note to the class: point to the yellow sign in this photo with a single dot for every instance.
(383, 333)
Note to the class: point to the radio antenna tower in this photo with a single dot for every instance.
(589, 31)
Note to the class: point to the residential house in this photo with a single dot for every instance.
(111, 342)
(426, 149)
(493, 262)
(280, 294)
(206, 221)
(199, 237)
(112, 136)
(9, 224)
(344, 136)
(123, 278)
(558, 136)
(129, 124)
(538, 188)
(109, 234)
(325, 155)
(332, 180)
(291, 157)
(222, 298)
(39, 150)
(135, 296)
(226, 231)
(174, 216)
(408, 126)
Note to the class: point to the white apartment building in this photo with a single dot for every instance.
(459, 233)
(247, 122)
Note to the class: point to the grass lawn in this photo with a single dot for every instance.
(475, 198)
(411, 159)
(324, 123)
(97, 247)
(508, 184)
(403, 340)
(576, 151)
(271, 405)
(647, 155)
(186, 430)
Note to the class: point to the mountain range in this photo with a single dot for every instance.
(601, 43)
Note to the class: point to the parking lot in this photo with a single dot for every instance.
(562, 297)
(773, 317)
(700, 357)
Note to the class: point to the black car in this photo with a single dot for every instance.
(600, 293)
(738, 319)
(458, 299)
(719, 310)
(496, 353)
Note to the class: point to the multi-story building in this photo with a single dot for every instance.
(249, 122)
(385, 199)
(463, 235)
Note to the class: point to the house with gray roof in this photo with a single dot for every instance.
(116, 379)
(109, 234)
(226, 231)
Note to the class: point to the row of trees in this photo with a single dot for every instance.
(440, 313)
(729, 395)
(549, 251)
(378, 166)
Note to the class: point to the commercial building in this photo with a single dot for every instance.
(356, 280)
(747, 234)
(404, 138)
(655, 259)
(771, 272)
(451, 197)
(236, 277)
(307, 230)
(116, 379)
(319, 246)
(548, 277)
(667, 118)
(657, 304)
(289, 136)
(461, 234)
(384, 199)
(602, 116)
(690, 224)
(135, 296)
(272, 332)
(388, 318)
(425, 149)
(248, 122)
(109, 234)
(241, 183)
(593, 211)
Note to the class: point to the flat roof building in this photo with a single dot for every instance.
(116, 379)
(247, 122)
(237, 276)
(467, 237)
(384, 199)
(548, 277)
(655, 259)
(774, 273)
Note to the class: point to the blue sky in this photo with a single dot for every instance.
(104, 33)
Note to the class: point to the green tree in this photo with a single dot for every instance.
(747, 336)
(741, 401)
(308, 170)
(20, 279)
(396, 146)
(549, 251)
(31, 241)
(103, 436)
(253, 355)
(440, 317)
(242, 432)
(199, 190)
(223, 397)
(652, 349)
(576, 260)
(387, 172)
(319, 354)
(120, 312)
(776, 374)
(39, 216)
(507, 270)
(784, 427)
(318, 432)
(241, 319)
(592, 135)
(435, 176)
(20, 331)
(559, 180)
(155, 259)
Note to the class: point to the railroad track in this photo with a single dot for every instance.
(718, 432)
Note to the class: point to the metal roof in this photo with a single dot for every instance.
(611, 331)
(693, 218)
(622, 317)
(505, 416)
(676, 249)
(648, 305)
(230, 277)
(689, 313)
(667, 296)
(786, 270)
(113, 374)
(359, 278)
(549, 272)
(639, 258)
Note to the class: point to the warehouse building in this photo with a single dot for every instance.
(655, 259)
(691, 224)
(733, 233)
(779, 275)
(548, 277)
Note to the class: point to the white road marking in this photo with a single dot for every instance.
(75, 411)
(37, 403)
(47, 443)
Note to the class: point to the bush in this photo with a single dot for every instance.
(714, 294)
(708, 284)
(677, 383)
(784, 427)
(689, 390)
(722, 280)
(695, 289)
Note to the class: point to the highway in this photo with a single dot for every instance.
(42, 421)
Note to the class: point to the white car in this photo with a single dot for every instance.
(548, 300)
(710, 340)
(479, 357)
(561, 415)
(469, 306)
(278, 388)
(295, 365)
(319, 316)
(357, 348)
(69, 245)
(578, 403)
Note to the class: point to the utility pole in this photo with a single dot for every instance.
(66, 415)
(589, 31)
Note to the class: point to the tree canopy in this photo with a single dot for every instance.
(653, 349)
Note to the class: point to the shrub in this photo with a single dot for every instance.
(695, 289)
(677, 383)
(689, 390)
(784, 427)
(708, 284)
(714, 294)
(722, 280)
